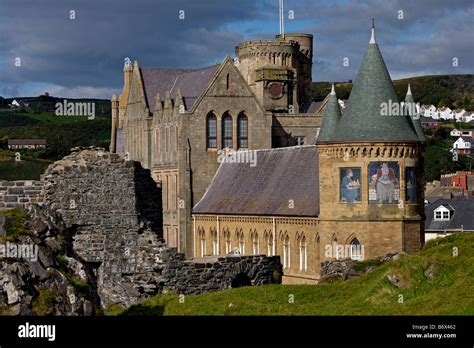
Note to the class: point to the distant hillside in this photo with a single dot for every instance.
(431, 282)
(61, 132)
(455, 91)
(47, 103)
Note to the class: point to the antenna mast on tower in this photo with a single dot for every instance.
(282, 20)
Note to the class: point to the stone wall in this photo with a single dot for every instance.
(112, 216)
(21, 193)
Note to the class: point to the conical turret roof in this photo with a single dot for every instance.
(331, 118)
(415, 117)
(363, 119)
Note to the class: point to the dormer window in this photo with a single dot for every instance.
(442, 213)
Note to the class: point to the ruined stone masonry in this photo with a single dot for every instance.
(101, 224)
(21, 193)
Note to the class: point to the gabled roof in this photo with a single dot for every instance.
(191, 83)
(362, 119)
(461, 216)
(280, 176)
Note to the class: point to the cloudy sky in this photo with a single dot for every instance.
(83, 57)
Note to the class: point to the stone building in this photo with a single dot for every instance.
(357, 193)
(177, 122)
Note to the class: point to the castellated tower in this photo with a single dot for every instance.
(278, 71)
(371, 167)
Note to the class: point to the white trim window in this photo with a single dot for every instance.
(286, 253)
(356, 250)
(442, 213)
(303, 254)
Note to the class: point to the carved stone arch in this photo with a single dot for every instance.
(297, 236)
(351, 237)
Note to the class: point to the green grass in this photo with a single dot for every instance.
(15, 225)
(449, 292)
(27, 169)
(42, 305)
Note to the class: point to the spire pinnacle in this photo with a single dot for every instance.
(372, 38)
(409, 90)
(333, 92)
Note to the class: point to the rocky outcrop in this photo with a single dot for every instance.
(33, 280)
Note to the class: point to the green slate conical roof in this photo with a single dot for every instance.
(363, 119)
(331, 118)
(415, 117)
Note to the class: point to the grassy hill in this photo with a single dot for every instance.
(61, 132)
(449, 292)
(27, 169)
(455, 91)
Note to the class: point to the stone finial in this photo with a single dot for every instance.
(409, 90)
(333, 91)
(179, 98)
(158, 105)
(372, 38)
(168, 101)
(114, 98)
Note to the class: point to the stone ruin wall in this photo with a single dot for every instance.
(20, 193)
(112, 211)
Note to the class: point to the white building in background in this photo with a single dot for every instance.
(429, 111)
(468, 116)
(445, 113)
(458, 114)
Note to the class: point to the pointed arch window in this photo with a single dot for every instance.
(215, 243)
(270, 245)
(228, 245)
(286, 253)
(255, 244)
(356, 250)
(241, 243)
(211, 131)
(227, 140)
(242, 131)
(303, 254)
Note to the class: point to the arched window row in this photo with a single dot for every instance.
(227, 131)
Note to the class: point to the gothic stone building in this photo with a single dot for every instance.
(354, 192)
(357, 193)
(176, 122)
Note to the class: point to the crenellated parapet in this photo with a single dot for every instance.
(371, 151)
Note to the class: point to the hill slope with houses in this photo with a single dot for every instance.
(453, 91)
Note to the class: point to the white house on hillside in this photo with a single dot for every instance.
(458, 114)
(463, 145)
(429, 111)
(445, 113)
(468, 116)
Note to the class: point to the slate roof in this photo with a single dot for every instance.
(331, 118)
(191, 83)
(414, 117)
(281, 175)
(462, 217)
(362, 119)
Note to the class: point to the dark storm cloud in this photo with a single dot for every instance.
(89, 50)
(84, 57)
(424, 42)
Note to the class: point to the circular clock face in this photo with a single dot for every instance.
(276, 90)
